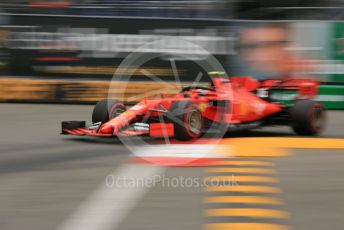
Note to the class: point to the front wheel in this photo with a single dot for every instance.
(187, 119)
(308, 117)
(107, 109)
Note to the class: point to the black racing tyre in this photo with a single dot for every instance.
(308, 117)
(187, 119)
(107, 109)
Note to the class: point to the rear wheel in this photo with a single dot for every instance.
(187, 119)
(308, 117)
(106, 110)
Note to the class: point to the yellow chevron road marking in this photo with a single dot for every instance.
(213, 180)
(259, 172)
(246, 226)
(244, 189)
(240, 170)
(244, 200)
(248, 212)
(243, 163)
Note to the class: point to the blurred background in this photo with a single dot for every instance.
(53, 51)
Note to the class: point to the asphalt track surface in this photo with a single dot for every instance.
(47, 179)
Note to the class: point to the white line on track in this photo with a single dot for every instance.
(108, 206)
(179, 151)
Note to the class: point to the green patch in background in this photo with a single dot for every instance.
(331, 96)
(337, 45)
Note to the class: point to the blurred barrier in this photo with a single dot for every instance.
(144, 8)
(70, 91)
(94, 47)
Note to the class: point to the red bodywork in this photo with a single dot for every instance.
(236, 95)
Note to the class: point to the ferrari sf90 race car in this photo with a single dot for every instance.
(228, 105)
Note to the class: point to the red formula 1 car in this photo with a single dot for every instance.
(230, 104)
